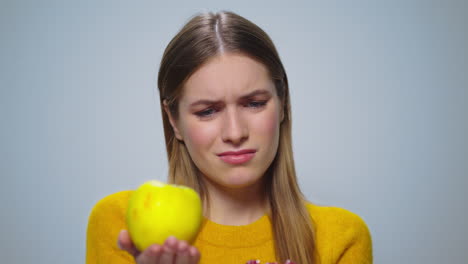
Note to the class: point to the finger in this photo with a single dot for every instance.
(167, 257)
(124, 242)
(169, 250)
(172, 243)
(194, 255)
(183, 255)
(183, 246)
(151, 255)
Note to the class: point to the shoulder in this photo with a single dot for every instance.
(110, 209)
(115, 200)
(341, 234)
(112, 205)
(106, 220)
(335, 216)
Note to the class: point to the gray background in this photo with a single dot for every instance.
(379, 93)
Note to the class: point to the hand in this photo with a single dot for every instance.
(173, 251)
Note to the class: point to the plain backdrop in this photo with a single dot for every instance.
(379, 101)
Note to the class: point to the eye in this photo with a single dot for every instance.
(256, 104)
(205, 113)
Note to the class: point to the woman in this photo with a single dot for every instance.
(226, 113)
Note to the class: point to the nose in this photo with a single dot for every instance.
(235, 129)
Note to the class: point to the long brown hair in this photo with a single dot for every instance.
(203, 37)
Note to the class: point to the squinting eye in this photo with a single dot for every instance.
(256, 104)
(205, 113)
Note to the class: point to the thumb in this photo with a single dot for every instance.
(124, 242)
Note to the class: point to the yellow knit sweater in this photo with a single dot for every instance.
(341, 236)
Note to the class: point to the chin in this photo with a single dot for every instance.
(240, 180)
(233, 177)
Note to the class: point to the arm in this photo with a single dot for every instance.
(107, 240)
(106, 220)
(357, 247)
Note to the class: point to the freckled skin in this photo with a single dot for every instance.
(233, 126)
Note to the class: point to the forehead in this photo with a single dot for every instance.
(227, 76)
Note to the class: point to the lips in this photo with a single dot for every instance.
(237, 157)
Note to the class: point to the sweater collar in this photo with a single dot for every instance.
(253, 234)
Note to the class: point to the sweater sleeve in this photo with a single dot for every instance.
(342, 236)
(105, 222)
(357, 243)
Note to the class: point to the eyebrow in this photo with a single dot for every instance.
(249, 95)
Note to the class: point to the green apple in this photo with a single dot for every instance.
(157, 210)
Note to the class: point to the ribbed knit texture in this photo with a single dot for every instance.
(341, 236)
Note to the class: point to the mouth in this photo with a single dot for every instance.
(237, 157)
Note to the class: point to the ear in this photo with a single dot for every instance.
(283, 109)
(172, 121)
(282, 114)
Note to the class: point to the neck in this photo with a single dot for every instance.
(236, 206)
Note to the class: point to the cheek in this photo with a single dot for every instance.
(199, 137)
(268, 125)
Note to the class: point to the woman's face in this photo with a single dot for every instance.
(229, 120)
